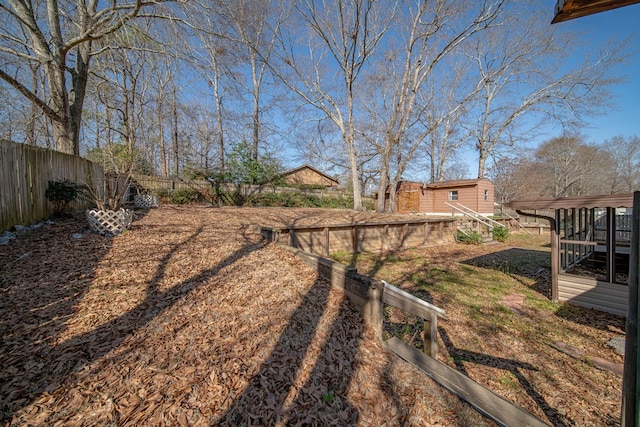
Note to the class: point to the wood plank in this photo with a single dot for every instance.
(481, 398)
(430, 336)
(398, 298)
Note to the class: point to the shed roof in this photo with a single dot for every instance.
(456, 183)
(604, 201)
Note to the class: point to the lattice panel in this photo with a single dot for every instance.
(146, 201)
(113, 222)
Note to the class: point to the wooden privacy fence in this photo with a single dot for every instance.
(25, 171)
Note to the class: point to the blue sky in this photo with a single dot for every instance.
(619, 23)
(595, 30)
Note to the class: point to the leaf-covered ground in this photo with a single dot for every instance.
(189, 319)
(502, 331)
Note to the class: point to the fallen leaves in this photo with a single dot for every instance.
(189, 319)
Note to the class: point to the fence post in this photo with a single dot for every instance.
(430, 336)
(374, 309)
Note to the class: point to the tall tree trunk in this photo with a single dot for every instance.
(215, 82)
(162, 149)
(383, 184)
(353, 160)
(176, 148)
(256, 106)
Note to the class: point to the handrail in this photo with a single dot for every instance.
(474, 217)
(517, 222)
(398, 298)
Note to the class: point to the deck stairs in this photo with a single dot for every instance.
(473, 221)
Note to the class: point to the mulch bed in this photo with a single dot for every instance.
(190, 319)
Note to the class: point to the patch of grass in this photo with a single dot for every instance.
(343, 257)
(472, 238)
(508, 380)
(543, 304)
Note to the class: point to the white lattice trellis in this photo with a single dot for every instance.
(146, 201)
(113, 222)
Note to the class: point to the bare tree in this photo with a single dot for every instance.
(60, 36)
(625, 152)
(571, 167)
(524, 83)
(516, 178)
(421, 41)
(343, 36)
(256, 24)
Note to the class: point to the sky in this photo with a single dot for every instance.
(624, 119)
(620, 23)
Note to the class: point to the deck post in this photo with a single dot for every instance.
(630, 379)
(611, 244)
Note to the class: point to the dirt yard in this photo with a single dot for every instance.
(189, 319)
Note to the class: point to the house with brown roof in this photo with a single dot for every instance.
(446, 197)
(305, 175)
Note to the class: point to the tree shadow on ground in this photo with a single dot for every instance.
(286, 388)
(33, 364)
(462, 357)
(536, 266)
(518, 263)
(42, 277)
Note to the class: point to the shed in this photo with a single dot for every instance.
(448, 198)
(590, 242)
(305, 175)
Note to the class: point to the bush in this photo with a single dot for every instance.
(62, 194)
(473, 238)
(298, 200)
(183, 196)
(500, 233)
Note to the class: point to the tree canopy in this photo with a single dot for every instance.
(372, 91)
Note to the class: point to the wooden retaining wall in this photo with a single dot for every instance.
(367, 237)
(25, 171)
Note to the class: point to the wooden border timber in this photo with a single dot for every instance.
(484, 400)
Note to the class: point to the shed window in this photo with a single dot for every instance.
(486, 195)
(453, 195)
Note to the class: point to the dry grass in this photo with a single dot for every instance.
(189, 319)
(513, 349)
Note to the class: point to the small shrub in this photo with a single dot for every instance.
(500, 233)
(62, 194)
(473, 238)
(298, 200)
(183, 196)
(162, 193)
